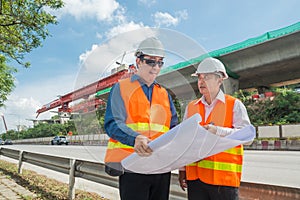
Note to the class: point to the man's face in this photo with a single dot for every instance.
(149, 67)
(209, 83)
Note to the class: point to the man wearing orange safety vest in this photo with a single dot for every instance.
(216, 177)
(138, 111)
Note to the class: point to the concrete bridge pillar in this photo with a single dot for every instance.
(230, 86)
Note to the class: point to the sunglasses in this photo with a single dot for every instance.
(152, 63)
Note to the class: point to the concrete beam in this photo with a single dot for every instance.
(270, 62)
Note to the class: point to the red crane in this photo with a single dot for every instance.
(87, 105)
(86, 91)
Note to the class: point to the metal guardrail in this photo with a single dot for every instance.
(94, 171)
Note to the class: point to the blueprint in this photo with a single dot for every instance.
(184, 144)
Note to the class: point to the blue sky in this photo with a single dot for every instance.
(85, 26)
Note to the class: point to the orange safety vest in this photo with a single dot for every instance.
(151, 119)
(224, 168)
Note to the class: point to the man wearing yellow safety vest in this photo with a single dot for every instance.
(138, 111)
(216, 177)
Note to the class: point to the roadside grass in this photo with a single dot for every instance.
(45, 188)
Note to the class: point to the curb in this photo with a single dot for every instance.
(9, 189)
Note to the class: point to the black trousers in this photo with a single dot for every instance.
(197, 190)
(134, 186)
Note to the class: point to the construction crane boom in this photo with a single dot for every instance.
(86, 91)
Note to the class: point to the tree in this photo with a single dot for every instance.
(6, 80)
(23, 26)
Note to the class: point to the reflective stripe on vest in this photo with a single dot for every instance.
(223, 168)
(220, 166)
(139, 127)
(116, 151)
(151, 119)
(115, 144)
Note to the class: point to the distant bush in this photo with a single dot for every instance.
(41, 130)
(283, 108)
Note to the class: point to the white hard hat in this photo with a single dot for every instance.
(150, 46)
(211, 65)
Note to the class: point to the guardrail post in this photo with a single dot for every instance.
(20, 167)
(72, 179)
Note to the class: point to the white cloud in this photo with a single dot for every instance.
(122, 28)
(102, 10)
(120, 15)
(100, 59)
(22, 104)
(166, 19)
(147, 2)
(18, 110)
(101, 56)
(182, 14)
(99, 36)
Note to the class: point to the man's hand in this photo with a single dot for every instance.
(182, 180)
(211, 128)
(141, 146)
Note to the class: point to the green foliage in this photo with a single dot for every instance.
(284, 108)
(100, 113)
(178, 106)
(88, 123)
(47, 130)
(8, 135)
(84, 124)
(70, 126)
(40, 130)
(23, 26)
(6, 80)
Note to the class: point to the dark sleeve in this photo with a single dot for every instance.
(115, 118)
(174, 119)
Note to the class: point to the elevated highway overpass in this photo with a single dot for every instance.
(272, 59)
(268, 63)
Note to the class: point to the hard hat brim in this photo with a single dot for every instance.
(225, 76)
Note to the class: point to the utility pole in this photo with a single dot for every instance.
(5, 126)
